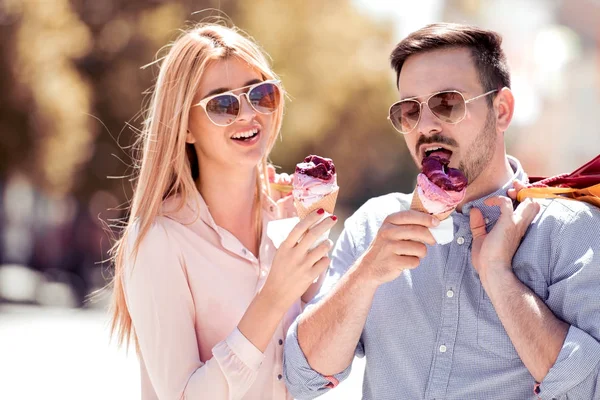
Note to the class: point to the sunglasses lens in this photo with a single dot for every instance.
(223, 110)
(448, 106)
(265, 98)
(405, 115)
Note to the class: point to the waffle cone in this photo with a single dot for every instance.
(417, 205)
(327, 203)
(281, 188)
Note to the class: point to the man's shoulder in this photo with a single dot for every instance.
(568, 214)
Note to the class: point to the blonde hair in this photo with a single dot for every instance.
(164, 167)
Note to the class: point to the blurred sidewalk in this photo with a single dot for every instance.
(58, 353)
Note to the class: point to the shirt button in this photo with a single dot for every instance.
(279, 377)
(272, 208)
(450, 293)
(280, 342)
(443, 349)
(244, 251)
(460, 240)
(263, 273)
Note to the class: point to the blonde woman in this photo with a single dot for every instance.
(198, 286)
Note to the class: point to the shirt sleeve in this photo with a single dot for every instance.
(302, 381)
(162, 310)
(574, 297)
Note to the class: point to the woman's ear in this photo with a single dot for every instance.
(190, 138)
(504, 107)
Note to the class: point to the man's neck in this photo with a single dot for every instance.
(490, 180)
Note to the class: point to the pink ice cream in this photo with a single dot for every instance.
(440, 188)
(314, 179)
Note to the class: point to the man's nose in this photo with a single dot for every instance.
(428, 123)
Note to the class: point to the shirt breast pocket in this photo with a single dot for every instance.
(491, 335)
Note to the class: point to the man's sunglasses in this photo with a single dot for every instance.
(224, 108)
(448, 106)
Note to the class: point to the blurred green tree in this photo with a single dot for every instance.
(334, 62)
(71, 88)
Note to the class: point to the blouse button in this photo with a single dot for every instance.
(280, 342)
(279, 377)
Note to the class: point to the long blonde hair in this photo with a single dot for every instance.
(163, 166)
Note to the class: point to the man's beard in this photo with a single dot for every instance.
(480, 153)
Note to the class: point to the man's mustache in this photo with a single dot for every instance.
(436, 138)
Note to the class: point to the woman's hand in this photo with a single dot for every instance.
(295, 266)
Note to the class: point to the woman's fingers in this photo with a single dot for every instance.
(301, 227)
(315, 232)
(314, 255)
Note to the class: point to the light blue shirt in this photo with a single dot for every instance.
(433, 333)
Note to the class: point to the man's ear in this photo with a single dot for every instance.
(190, 138)
(504, 108)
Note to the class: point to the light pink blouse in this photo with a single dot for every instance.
(187, 290)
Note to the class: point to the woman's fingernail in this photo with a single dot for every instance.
(333, 217)
(320, 211)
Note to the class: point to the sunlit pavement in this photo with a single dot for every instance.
(57, 353)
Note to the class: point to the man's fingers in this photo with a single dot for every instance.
(525, 213)
(412, 217)
(409, 262)
(505, 204)
(408, 232)
(410, 248)
(517, 186)
(477, 223)
(271, 173)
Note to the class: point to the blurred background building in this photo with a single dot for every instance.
(71, 94)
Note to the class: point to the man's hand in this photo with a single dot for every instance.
(399, 245)
(493, 252)
(517, 186)
(281, 180)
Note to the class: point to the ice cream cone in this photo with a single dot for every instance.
(417, 205)
(327, 203)
(281, 187)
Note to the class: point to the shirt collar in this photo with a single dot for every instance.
(493, 213)
(196, 208)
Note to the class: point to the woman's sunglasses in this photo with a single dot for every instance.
(448, 106)
(224, 108)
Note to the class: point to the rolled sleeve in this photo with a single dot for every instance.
(573, 372)
(302, 381)
(574, 297)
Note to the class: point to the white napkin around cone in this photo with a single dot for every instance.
(278, 230)
(444, 232)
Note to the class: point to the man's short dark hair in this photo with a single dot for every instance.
(488, 57)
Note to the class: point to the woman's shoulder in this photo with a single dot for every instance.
(155, 238)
